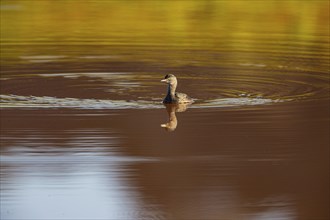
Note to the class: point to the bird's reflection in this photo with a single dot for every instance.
(172, 120)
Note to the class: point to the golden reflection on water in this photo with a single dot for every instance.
(207, 25)
(150, 22)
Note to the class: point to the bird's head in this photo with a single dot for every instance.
(170, 79)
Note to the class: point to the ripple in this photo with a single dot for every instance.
(16, 101)
(99, 57)
(101, 75)
(42, 58)
(253, 64)
(231, 102)
(285, 83)
(268, 80)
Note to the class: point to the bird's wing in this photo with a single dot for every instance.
(181, 95)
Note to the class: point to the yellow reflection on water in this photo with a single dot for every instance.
(191, 23)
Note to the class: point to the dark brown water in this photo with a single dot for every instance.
(84, 134)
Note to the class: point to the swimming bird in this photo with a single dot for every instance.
(173, 97)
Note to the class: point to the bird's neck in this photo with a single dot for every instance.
(171, 91)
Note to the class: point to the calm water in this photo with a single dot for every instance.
(84, 134)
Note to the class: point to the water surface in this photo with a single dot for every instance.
(84, 134)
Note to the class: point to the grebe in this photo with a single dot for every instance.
(173, 97)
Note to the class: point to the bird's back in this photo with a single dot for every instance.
(182, 98)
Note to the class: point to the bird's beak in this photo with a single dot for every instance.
(164, 80)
